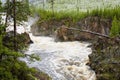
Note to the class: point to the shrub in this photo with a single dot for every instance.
(115, 29)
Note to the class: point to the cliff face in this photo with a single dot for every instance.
(46, 28)
(94, 24)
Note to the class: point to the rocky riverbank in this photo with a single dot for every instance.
(58, 28)
(105, 58)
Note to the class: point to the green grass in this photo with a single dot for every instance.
(77, 15)
(48, 15)
(106, 12)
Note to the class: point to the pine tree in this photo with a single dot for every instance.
(14, 19)
(22, 9)
(19, 11)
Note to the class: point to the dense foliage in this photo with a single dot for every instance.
(22, 9)
(10, 67)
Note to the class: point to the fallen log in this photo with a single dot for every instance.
(103, 35)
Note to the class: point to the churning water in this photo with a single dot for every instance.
(61, 60)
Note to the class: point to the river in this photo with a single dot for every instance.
(61, 60)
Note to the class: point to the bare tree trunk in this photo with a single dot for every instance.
(1, 57)
(14, 14)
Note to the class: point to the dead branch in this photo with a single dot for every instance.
(103, 35)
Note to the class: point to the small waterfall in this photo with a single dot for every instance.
(61, 60)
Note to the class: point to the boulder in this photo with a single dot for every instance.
(63, 34)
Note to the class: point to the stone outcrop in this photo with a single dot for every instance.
(94, 24)
(63, 34)
(47, 28)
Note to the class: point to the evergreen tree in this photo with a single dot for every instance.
(22, 9)
(19, 11)
(14, 19)
(1, 25)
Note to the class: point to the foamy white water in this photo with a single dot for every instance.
(61, 60)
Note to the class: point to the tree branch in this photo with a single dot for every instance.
(103, 35)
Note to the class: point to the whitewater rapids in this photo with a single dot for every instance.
(61, 60)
